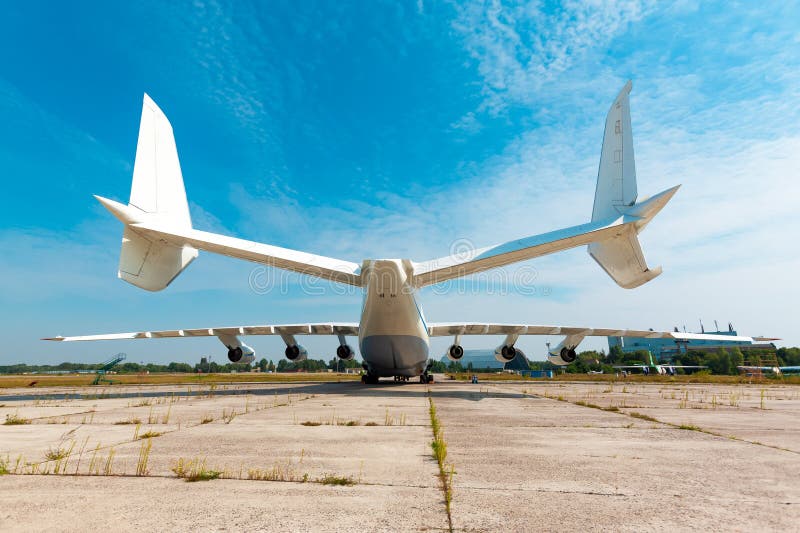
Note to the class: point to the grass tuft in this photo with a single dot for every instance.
(330, 479)
(228, 415)
(16, 420)
(194, 470)
(640, 416)
(310, 423)
(439, 447)
(134, 421)
(278, 472)
(144, 457)
(150, 434)
(56, 454)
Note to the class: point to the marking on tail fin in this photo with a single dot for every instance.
(616, 175)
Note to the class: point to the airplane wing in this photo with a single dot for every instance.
(564, 353)
(443, 329)
(330, 328)
(661, 364)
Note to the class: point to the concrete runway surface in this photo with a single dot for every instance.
(525, 456)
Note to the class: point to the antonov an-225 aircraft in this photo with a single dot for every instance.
(158, 243)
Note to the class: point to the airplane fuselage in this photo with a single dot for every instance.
(393, 336)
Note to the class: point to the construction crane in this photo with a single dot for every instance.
(105, 366)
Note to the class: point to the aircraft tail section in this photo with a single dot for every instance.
(615, 196)
(158, 241)
(616, 176)
(157, 197)
(157, 186)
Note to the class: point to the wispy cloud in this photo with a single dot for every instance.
(520, 47)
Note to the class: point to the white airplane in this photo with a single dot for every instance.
(158, 243)
(778, 370)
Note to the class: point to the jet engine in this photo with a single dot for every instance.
(345, 352)
(241, 355)
(455, 352)
(564, 353)
(296, 353)
(505, 353)
(238, 352)
(563, 357)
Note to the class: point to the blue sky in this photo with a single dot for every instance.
(396, 129)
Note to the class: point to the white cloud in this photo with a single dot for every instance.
(520, 47)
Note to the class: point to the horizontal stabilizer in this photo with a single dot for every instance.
(622, 259)
(158, 196)
(149, 264)
(621, 256)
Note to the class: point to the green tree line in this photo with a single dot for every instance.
(722, 361)
(264, 365)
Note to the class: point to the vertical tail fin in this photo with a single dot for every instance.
(157, 195)
(615, 196)
(616, 177)
(157, 180)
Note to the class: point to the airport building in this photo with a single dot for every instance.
(664, 350)
(484, 360)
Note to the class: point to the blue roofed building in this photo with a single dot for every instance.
(664, 350)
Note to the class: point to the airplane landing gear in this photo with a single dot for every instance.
(369, 379)
(426, 378)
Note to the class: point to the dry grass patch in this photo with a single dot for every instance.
(134, 421)
(330, 479)
(16, 420)
(194, 470)
(640, 416)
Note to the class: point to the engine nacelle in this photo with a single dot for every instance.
(564, 356)
(565, 353)
(505, 353)
(243, 355)
(238, 352)
(455, 352)
(345, 352)
(296, 353)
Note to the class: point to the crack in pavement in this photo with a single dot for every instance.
(672, 425)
